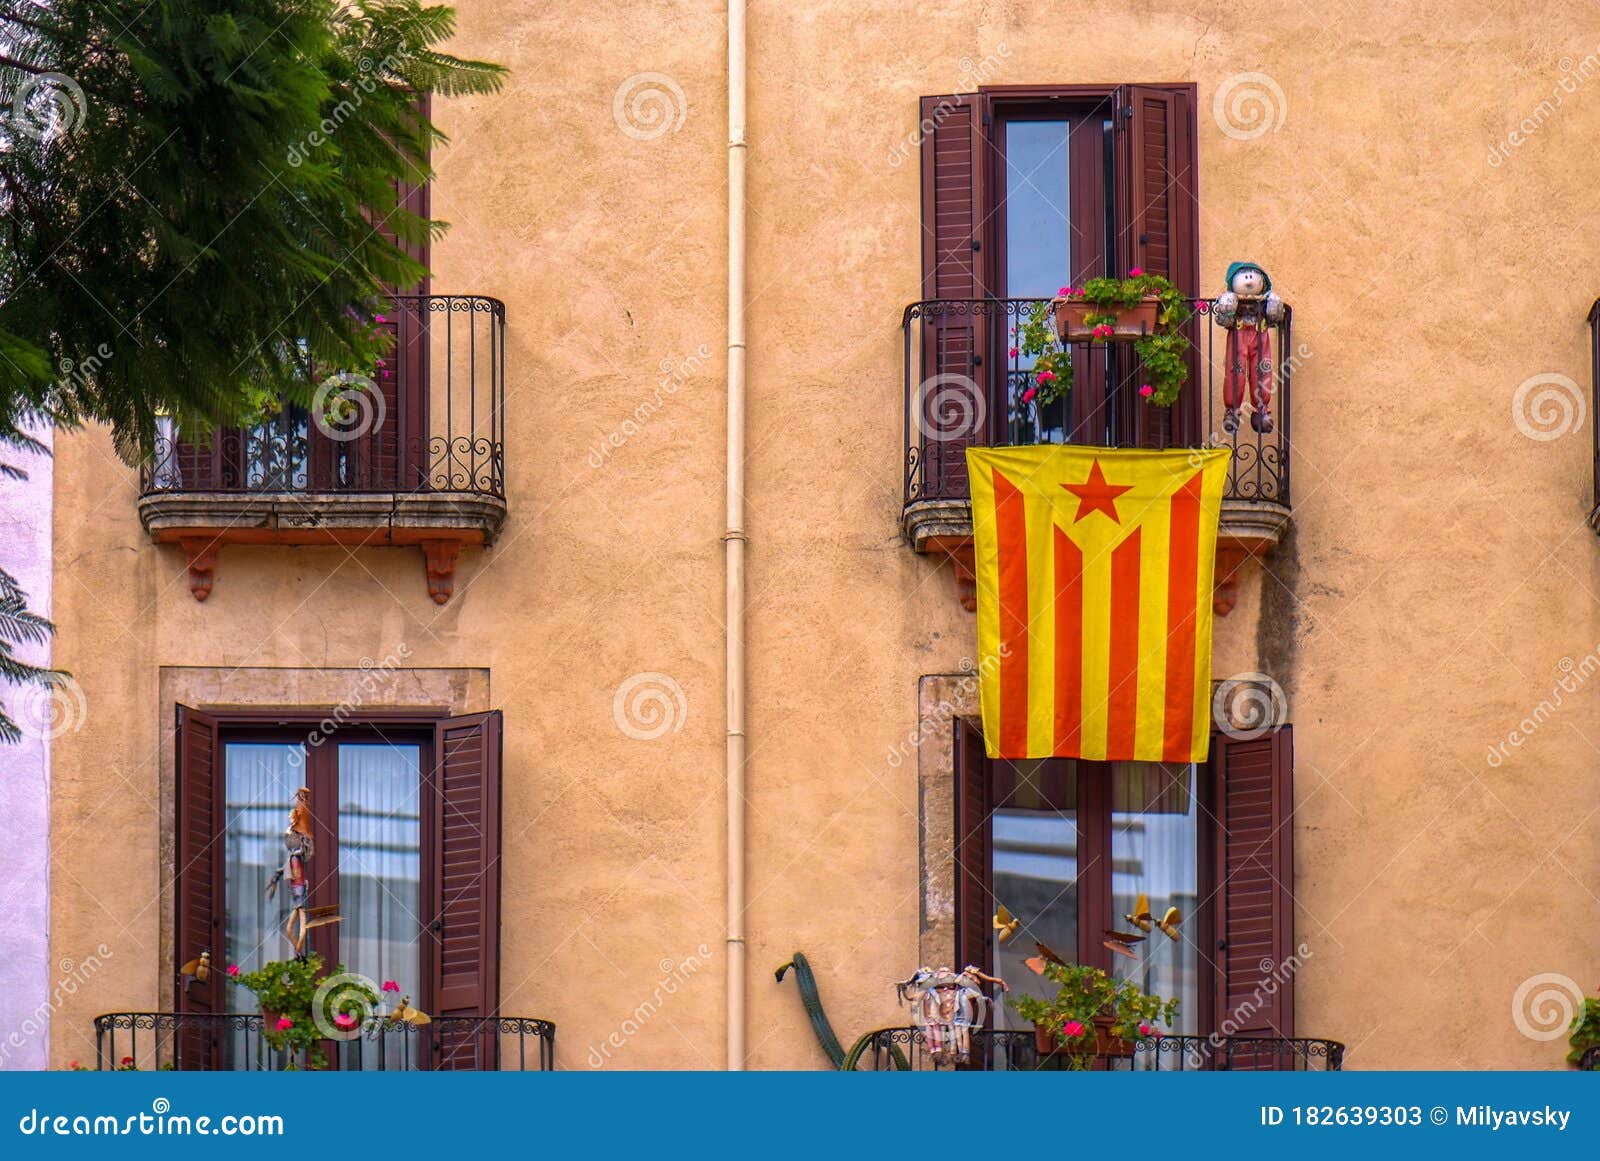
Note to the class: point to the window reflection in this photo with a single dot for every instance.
(1035, 869)
(1154, 851)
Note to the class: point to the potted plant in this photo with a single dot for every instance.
(1092, 1014)
(1585, 1031)
(302, 1005)
(1143, 309)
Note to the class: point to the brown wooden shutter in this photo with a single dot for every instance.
(1158, 211)
(200, 843)
(392, 455)
(955, 338)
(1252, 801)
(466, 885)
(974, 883)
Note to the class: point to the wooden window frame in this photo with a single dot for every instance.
(1264, 779)
(452, 983)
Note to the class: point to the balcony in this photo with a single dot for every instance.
(413, 457)
(1016, 1051)
(963, 387)
(212, 1042)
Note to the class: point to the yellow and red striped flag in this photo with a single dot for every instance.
(1094, 571)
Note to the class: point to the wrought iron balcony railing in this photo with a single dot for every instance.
(233, 1042)
(431, 419)
(1017, 1051)
(964, 386)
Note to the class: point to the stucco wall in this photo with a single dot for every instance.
(1439, 570)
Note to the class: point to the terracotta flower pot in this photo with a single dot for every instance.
(1106, 1043)
(1132, 322)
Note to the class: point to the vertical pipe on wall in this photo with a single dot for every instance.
(733, 539)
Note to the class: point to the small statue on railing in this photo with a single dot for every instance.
(947, 1005)
(1247, 307)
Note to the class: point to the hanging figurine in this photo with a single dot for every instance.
(947, 1005)
(1246, 308)
(300, 847)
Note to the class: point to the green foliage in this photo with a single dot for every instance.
(1163, 355)
(1585, 1030)
(287, 991)
(1082, 994)
(193, 233)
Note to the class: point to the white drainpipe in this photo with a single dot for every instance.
(733, 539)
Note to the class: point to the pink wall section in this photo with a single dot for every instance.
(25, 974)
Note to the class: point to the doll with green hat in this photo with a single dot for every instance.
(1247, 307)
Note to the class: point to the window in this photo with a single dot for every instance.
(1024, 190)
(1067, 847)
(406, 815)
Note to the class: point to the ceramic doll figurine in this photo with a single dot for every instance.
(947, 1005)
(1246, 308)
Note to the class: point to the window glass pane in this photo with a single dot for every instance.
(1038, 212)
(1034, 853)
(1155, 851)
(259, 784)
(380, 886)
(1038, 258)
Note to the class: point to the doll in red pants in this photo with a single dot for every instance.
(1248, 308)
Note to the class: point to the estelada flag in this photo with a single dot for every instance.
(1094, 571)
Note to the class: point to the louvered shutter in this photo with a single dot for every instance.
(466, 886)
(200, 843)
(974, 885)
(1158, 229)
(1252, 796)
(953, 400)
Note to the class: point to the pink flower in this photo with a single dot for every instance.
(390, 986)
(233, 970)
(382, 319)
(1147, 391)
(1104, 331)
(1046, 377)
(1077, 293)
(344, 1020)
(1136, 271)
(284, 1023)
(1072, 1028)
(1027, 396)
(1065, 292)
(1146, 1028)
(1012, 352)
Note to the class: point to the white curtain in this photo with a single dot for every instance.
(260, 781)
(380, 888)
